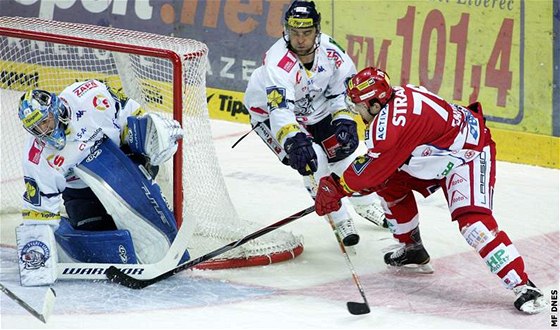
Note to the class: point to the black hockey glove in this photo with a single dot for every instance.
(301, 155)
(347, 135)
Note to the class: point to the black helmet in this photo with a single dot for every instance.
(302, 14)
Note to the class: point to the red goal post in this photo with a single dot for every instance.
(163, 73)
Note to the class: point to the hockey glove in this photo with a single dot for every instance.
(329, 194)
(347, 135)
(154, 136)
(301, 155)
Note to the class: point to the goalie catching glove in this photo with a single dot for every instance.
(154, 136)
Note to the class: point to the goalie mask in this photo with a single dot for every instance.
(302, 15)
(45, 116)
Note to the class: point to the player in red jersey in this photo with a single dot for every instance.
(417, 141)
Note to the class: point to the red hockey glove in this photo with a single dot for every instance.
(329, 193)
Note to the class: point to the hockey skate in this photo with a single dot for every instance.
(347, 232)
(373, 213)
(409, 258)
(529, 298)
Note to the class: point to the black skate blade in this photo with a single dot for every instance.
(412, 269)
(356, 308)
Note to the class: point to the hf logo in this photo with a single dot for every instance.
(34, 254)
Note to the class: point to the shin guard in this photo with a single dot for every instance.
(494, 246)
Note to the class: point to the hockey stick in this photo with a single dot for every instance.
(355, 308)
(96, 271)
(48, 303)
(117, 276)
(245, 135)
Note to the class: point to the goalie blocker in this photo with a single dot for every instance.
(146, 225)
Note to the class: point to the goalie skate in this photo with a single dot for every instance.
(411, 258)
(529, 298)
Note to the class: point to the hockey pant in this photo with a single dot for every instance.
(468, 190)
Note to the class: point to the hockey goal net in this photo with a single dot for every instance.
(165, 74)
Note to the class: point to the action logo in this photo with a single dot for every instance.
(34, 255)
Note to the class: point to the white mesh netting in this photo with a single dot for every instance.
(50, 55)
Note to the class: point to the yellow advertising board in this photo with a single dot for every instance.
(497, 52)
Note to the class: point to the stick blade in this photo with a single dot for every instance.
(356, 308)
(116, 276)
(48, 304)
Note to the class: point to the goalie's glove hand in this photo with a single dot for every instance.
(346, 133)
(154, 136)
(301, 155)
(329, 194)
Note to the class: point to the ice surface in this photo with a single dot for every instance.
(311, 291)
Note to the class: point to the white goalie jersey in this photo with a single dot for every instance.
(94, 112)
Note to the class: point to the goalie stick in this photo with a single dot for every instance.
(355, 308)
(96, 271)
(48, 303)
(117, 276)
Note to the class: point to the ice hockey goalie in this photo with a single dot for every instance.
(89, 169)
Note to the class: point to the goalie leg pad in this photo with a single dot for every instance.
(37, 256)
(112, 246)
(133, 199)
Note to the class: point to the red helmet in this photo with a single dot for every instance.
(369, 85)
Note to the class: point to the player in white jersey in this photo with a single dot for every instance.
(296, 104)
(74, 148)
(419, 142)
